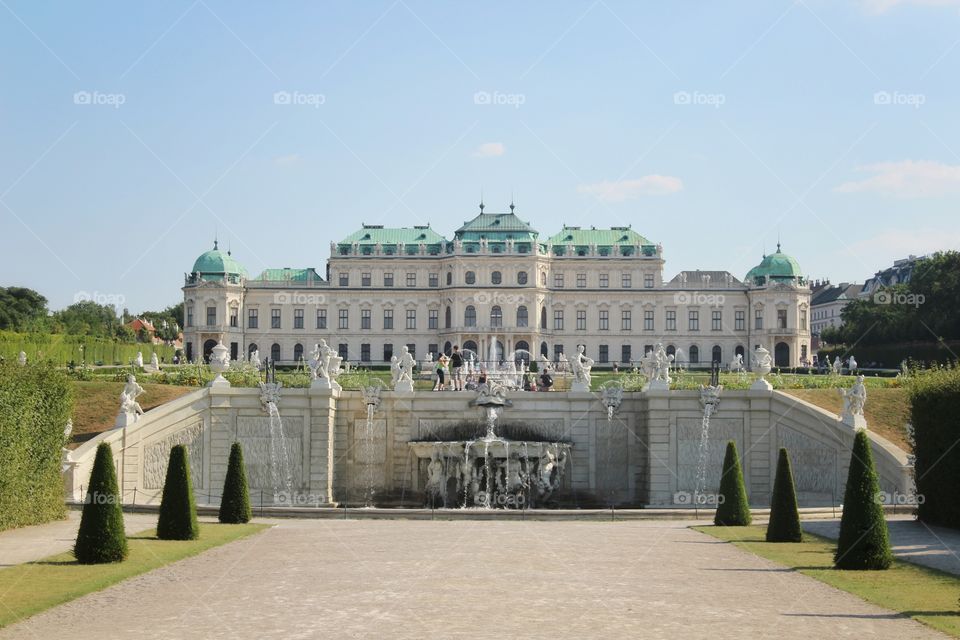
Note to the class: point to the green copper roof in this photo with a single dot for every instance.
(290, 275)
(600, 237)
(496, 228)
(776, 266)
(218, 263)
(372, 234)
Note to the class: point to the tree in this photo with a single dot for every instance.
(235, 503)
(784, 525)
(178, 510)
(88, 318)
(734, 507)
(21, 309)
(864, 542)
(101, 537)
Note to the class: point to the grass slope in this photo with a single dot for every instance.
(28, 589)
(924, 594)
(887, 410)
(96, 404)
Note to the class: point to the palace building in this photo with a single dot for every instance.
(498, 287)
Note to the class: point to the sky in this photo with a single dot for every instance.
(133, 134)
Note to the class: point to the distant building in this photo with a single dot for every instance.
(899, 273)
(827, 304)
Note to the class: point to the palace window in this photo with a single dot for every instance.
(581, 320)
(365, 318)
(626, 356)
(411, 279)
(343, 350)
(190, 316)
(803, 319)
(558, 280)
(433, 280)
(648, 320)
(344, 279)
(470, 277)
(604, 320)
(521, 277)
(496, 316)
(297, 352)
(321, 318)
(211, 316)
(411, 318)
(716, 320)
(449, 278)
(693, 320)
(740, 320)
(648, 281)
(344, 319)
(626, 280)
(694, 354)
(758, 319)
(626, 321)
(388, 279)
(604, 353)
(604, 280)
(388, 319)
(364, 279)
(671, 320)
(448, 318)
(233, 318)
(433, 319)
(470, 316)
(522, 319)
(496, 277)
(558, 320)
(275, 318)
(581, 281)
(253, 320)
(365, 352)
(298, 318)
(387, 351)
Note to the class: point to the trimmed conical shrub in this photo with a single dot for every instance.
(784, 525)
(178, 511)
(734, 507)
(235, 503)
(864, 542)
(101, 537)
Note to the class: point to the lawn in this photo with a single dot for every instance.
(926, 595)
(96, 404)
(30, 588)
(887, 410)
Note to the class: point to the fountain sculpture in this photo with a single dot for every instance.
(710, 399)
(853, 400)
(280, 469)
(762, 365)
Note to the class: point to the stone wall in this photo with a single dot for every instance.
(645, 455)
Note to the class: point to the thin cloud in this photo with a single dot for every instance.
(621, 190)
(906, 179)
(490, 150)
(883, 6)
(288, 160)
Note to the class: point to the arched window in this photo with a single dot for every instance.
(447, 347)
(717, 355)
(470, 316)
(496, 277)
(253, 347)
(739, 350)
(543, 317)
(449, 278)
(496, 316)
(544, 351)
(522, 277)
(543, 278)
(522, 351)
(694, 354)
(671, 350)
(471, 277)
(522, 316)
(275, 352)
(297, 352)
(470, 347)
(447, 318)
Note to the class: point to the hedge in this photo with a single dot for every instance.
(734, 507)
(62, 348)
(101, 537)
(235, 502)
(935, 415)
(784, 524)
(864, 542)
(178, 508)
(35, 404)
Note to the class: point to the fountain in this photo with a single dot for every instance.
(611, 395)
(709, 398)
(280, 470)
(371, 398)
(490, 471)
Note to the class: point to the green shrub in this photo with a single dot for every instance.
(863, 542)
(36, 401)
(784, 525)
(235, 503)
(935, 415)
(101, 537)
(178, 510)
(734, 507)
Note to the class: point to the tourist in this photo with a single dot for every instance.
(456, 367)
(545, 381)
(441, 366)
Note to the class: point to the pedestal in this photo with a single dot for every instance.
(404, 386)
(855, 420)
(761, 385)
(219, 382)
(582, 387)
(657, 385)
(125, 419)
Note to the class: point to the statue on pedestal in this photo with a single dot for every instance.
(22, 358)
(581, 370)
(130, 409)
(405, 378)
(854, 399)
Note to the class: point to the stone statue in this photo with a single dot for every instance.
(22, 358)
(737, 363)
(314, 363)
(435, 479)
(139, 359)
(852, 364)
(406, 363)
(563, 365)
(155, 361)
(581, 371)
(837, 366)
(762, 365)
(327, 367)
(648, 365)
(659, 368)
(129, 407)
(394, 370)
(854, 399)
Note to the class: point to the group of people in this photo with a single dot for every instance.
(452, 368)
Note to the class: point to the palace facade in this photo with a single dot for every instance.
(497, 288)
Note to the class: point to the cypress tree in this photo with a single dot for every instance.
(864, 542)
(178, 510)
(784, 525)
(235, 503)
(734, 508)
(101, 537)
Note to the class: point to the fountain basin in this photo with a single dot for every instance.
(495, 448)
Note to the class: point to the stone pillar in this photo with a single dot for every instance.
(661, 448)
(323, 412)
(761, 438)
(221, 431)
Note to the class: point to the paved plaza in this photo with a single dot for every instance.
(467, 579)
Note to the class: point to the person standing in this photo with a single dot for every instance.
(456, 368)
(441, 378)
